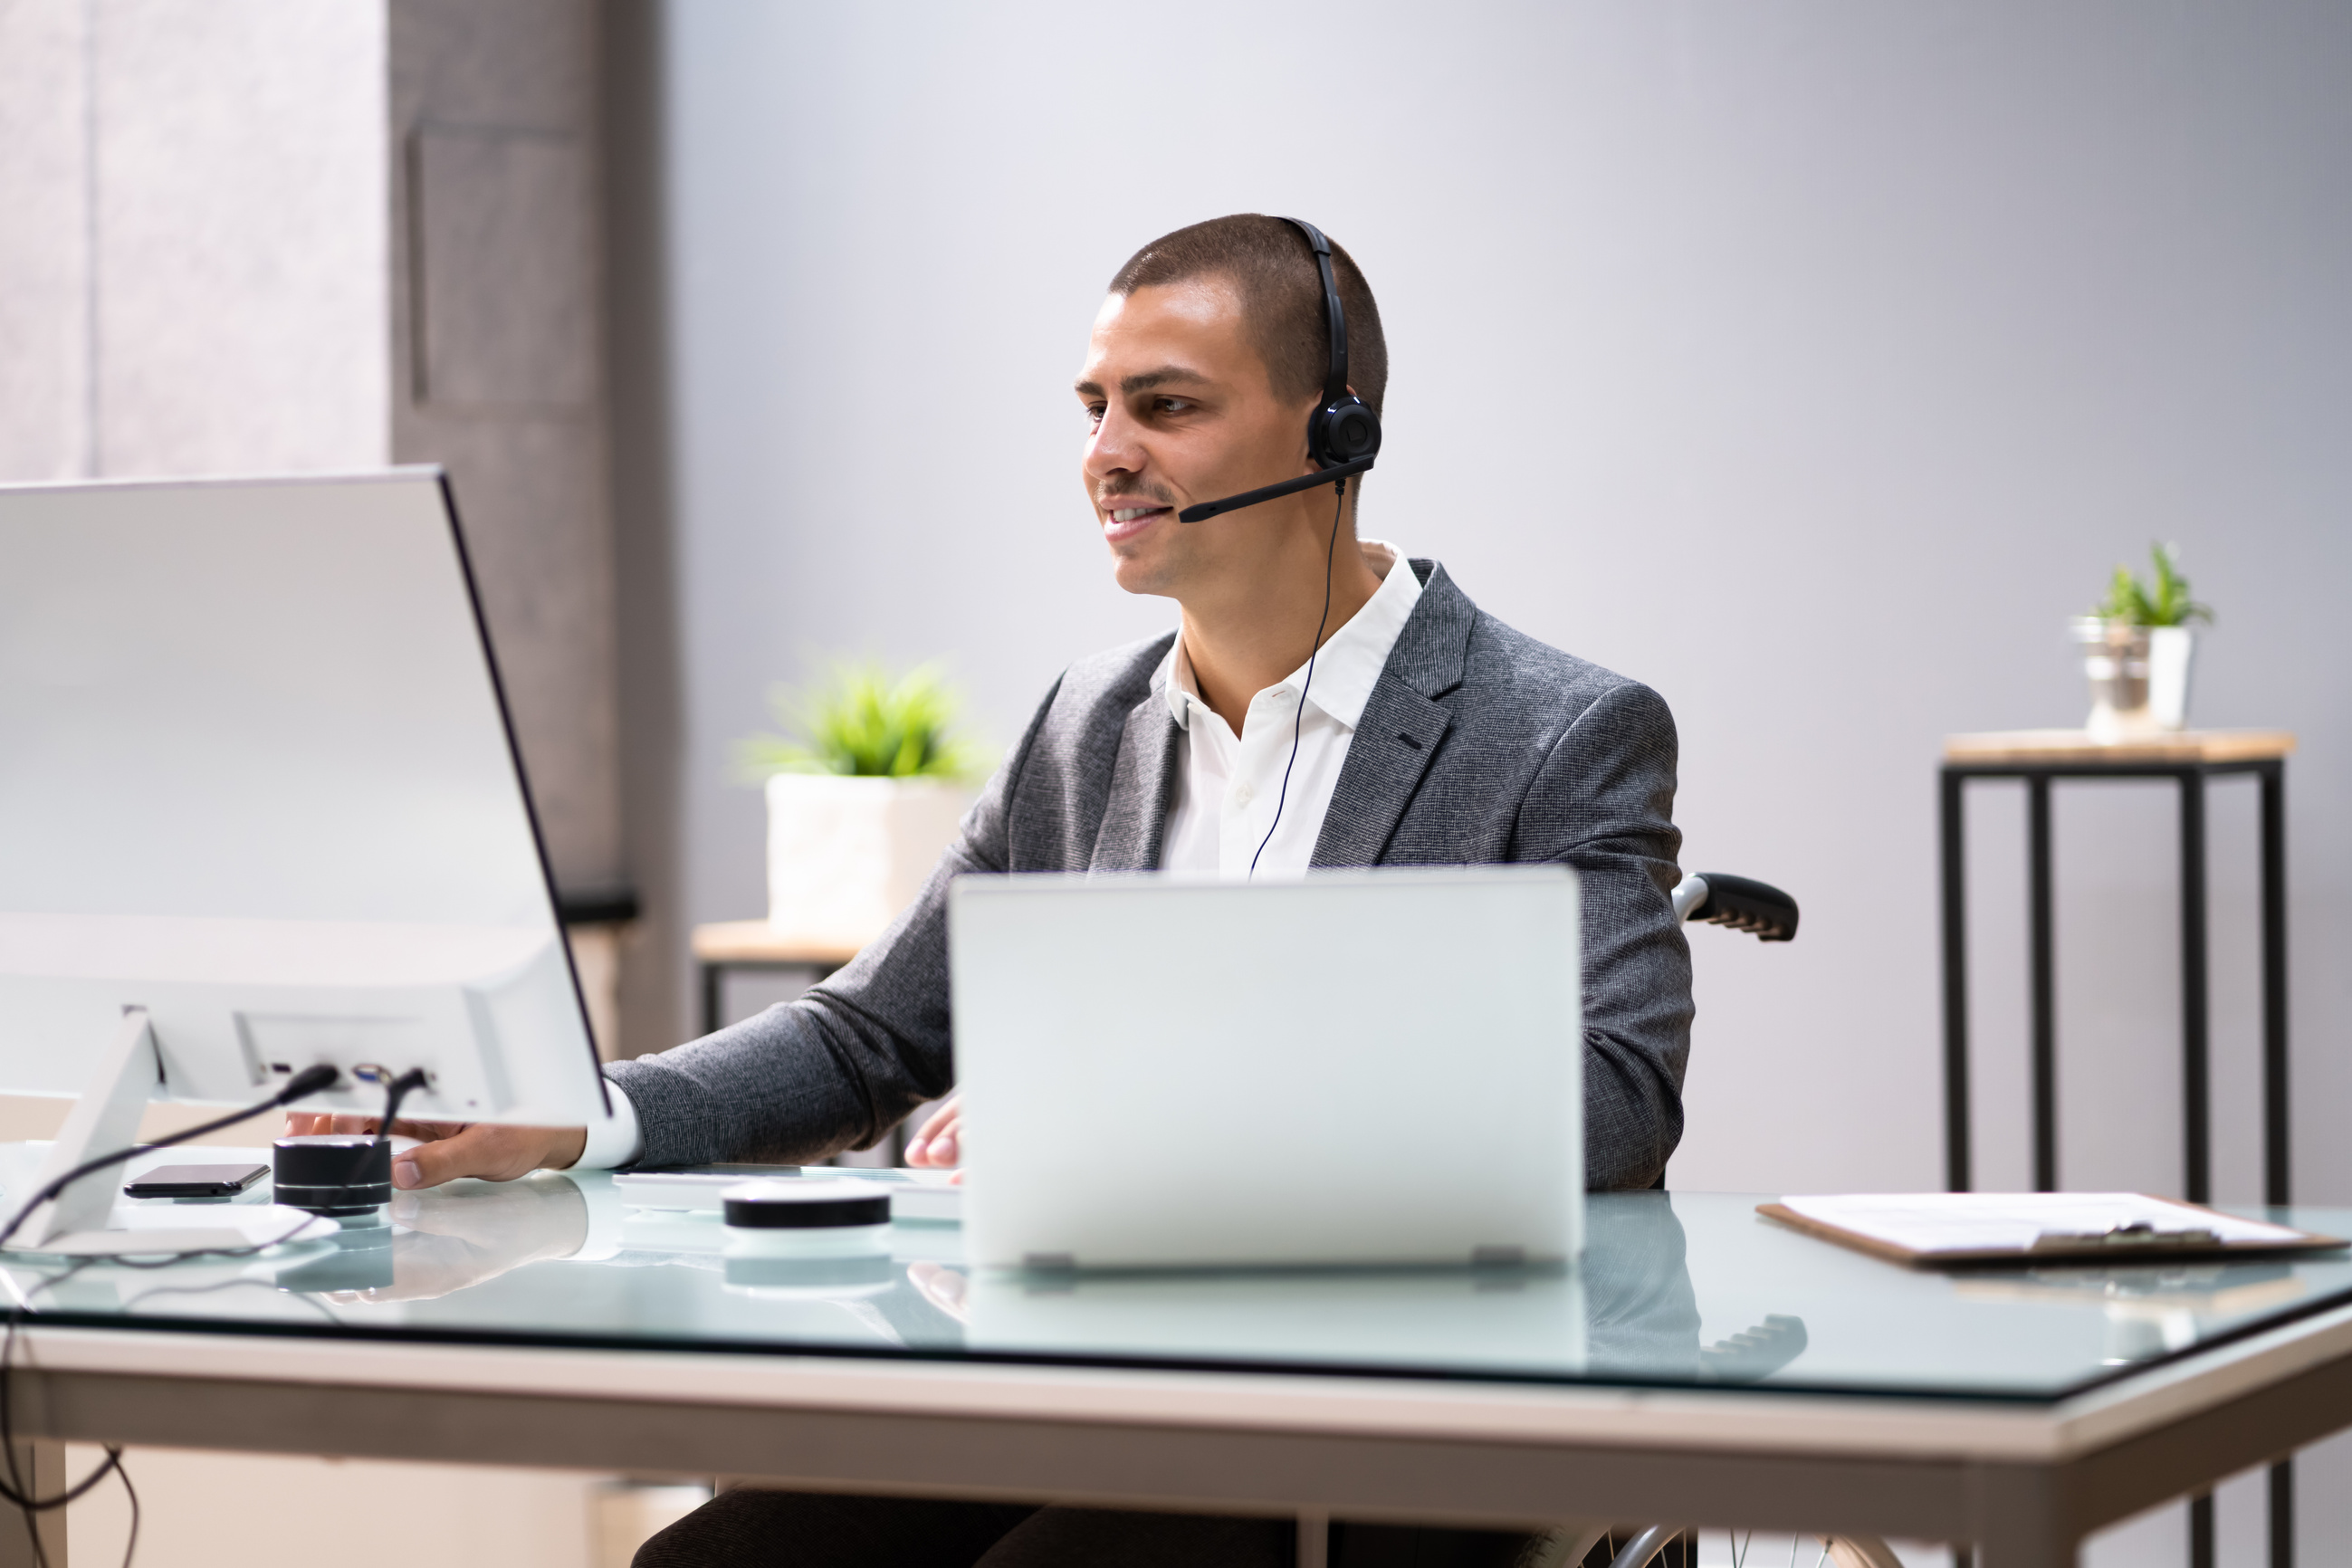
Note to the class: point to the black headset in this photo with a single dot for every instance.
(1343, 435)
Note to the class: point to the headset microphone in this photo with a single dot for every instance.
(1208, 509)
(1343, 435)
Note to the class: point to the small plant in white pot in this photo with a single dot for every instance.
(863, 795)
(2136, 647)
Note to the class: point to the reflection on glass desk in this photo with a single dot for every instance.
(1680, 1289)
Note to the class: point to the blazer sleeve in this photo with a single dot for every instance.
(842, 1065)
(1603, 804)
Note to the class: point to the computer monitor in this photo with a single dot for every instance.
(261, 809)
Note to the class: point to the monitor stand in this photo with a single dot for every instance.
(106, 1118)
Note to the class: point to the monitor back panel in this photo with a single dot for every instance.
(1380, 1066)
(258, 779)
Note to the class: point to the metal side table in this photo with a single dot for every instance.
(2189, 757)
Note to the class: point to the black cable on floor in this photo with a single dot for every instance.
(129, 1547)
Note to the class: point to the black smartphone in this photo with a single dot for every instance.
(195, 1180)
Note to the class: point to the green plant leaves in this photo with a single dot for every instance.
(2167, 604)
(859, 720)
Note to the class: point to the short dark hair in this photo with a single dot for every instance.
(1281, 293)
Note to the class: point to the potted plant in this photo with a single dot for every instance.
(864, 790)
(2136, 647)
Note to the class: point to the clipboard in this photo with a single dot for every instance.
(1934, 1230)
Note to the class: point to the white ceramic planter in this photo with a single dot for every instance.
(846, 855)
(2169, 651)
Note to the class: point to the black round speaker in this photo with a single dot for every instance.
(340, 1175)
(806, 1205)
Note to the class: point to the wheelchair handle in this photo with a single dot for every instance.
(1743, 904)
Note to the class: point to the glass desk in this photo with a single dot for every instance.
(1701, 1365)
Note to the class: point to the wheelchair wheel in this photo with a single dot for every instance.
(1665, 1546)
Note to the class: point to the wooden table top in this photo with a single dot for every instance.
(2032, 746)
(757, 942)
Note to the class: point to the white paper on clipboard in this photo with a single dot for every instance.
(1928, 1225)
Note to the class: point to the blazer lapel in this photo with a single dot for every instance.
(1398, 735)
(1135, 819)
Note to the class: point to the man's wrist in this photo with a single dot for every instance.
(616, 1140)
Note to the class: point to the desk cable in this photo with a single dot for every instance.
(18, 1489)
(310, 1081)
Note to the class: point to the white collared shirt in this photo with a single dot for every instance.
(1228, 787)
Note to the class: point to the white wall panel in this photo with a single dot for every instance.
(242, 264)
(45, 403)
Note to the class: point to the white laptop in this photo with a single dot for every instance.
(1362, 1067)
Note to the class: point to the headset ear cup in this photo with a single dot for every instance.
(1342, 432)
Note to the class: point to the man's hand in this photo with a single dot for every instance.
(447, 1150)
(944, 1288)
(939, 1144)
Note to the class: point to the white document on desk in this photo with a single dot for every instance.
(1943, 1225)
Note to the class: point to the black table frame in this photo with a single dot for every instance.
(2196, 1006)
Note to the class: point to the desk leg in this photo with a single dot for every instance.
(2045, 986)
(2277, 1172)
(714, 982)
(2019, 1521)
(2196, 1066)
(42, 1467)
(2196, 1018)
(1314, 1539)
(2283, 1514)
(1950, 820)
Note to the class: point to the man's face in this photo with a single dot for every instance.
(1180, 410)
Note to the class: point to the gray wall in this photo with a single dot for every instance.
(496, 332)
(1810, 363)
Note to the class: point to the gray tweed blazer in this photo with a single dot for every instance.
(1480, 746)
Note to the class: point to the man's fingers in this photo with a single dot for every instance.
(429, 1130)
(943, 1147)
(492, 1153)
(937, 1142)
(484, 1151)
(943, 1288)
(430, 1164)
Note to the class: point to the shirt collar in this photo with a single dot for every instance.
(1349, 663)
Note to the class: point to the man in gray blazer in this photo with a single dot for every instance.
(1426, 732)
(1479, 745)
(1324, 701)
